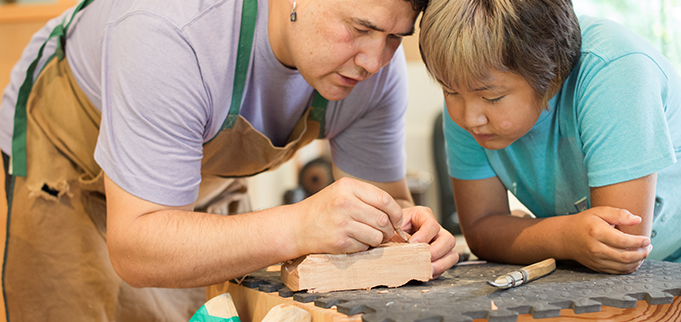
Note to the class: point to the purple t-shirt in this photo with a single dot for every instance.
(161, 72)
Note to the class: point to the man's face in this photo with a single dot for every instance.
(336, 44)
(496, 112)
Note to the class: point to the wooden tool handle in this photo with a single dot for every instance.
(402, 234)
(540, 269)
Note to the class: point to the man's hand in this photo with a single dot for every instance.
(346, 217)
(420, 222)
(597, 243)
(350, 216)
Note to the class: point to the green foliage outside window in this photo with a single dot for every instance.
(658, 21)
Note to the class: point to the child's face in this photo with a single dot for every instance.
(496, 112)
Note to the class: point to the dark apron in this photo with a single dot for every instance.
(56, 264)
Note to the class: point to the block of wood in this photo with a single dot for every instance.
(390, 264)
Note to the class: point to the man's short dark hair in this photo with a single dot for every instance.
(419, 5)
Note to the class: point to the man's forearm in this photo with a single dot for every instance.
(173, 248)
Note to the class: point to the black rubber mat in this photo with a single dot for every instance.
(462, 293)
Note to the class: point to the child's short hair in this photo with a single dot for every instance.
(462, 40)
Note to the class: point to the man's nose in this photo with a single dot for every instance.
(372, 55)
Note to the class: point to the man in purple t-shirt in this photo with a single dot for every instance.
(159, 97)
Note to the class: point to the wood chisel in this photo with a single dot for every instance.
(402, 234)
(525, 274)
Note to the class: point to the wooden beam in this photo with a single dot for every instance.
(253, 305)
(391, 265)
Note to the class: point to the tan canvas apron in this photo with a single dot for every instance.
(56, 265)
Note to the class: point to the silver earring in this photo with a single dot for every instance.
(294, 16)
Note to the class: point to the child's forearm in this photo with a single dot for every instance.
(588, 237)
(511, 239)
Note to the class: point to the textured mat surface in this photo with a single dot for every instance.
(462, 293)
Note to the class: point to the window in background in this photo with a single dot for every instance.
(658, 21)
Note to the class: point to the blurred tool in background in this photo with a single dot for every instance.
(314, 176)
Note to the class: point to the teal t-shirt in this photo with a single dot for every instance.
(616, 118)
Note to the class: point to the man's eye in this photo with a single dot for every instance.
(395, 37)
(361, 31)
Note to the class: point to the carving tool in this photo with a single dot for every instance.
(525, 274)
(402, 234)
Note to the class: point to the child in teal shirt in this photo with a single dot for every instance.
(579, 119)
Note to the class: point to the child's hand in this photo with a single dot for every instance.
(599, 245)
(421, 222)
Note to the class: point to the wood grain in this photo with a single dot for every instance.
(221, 306)
(642, 312)
(540, 269)
(390, 264)
(287, 313)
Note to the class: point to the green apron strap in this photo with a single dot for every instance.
(318, 112)
(249, 13)
(19, 135)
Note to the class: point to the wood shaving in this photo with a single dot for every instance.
(238, 281)
(274, 268)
